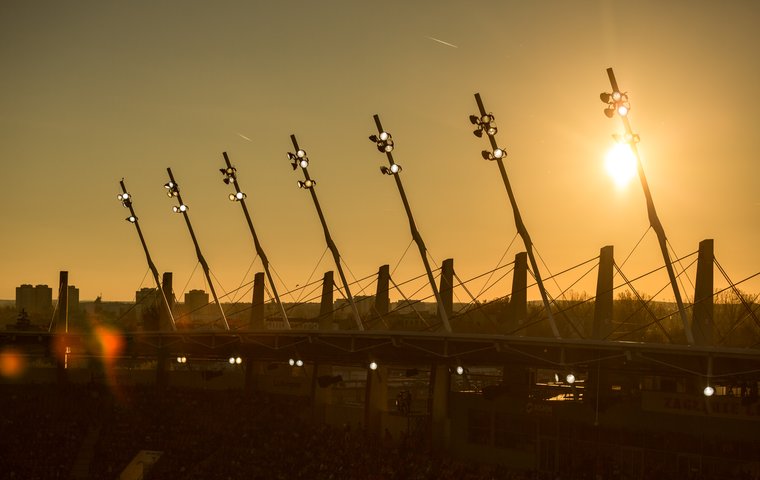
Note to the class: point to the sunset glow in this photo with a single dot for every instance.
(620, 164)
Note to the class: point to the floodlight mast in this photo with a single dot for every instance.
(396, 173)
(521, 229)
(133, 219)
(240, 197)
(654, 221)
(183, 210)
(309, 184)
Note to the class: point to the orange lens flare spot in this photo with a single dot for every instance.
(12, 364)
(110, 342)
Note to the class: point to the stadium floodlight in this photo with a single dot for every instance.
(230, 178)
(126, 201)
(181, 207)
(617, 102)
(496, 154)
(392, 170)
(484, 123)
(172, 189)
(230, 174)
(298, 159)
(383, 141)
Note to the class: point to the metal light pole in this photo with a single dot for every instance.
(384, 143)
(126, 200)
(230, 177)
(485, 124)
(173, 191)
(300, 159)
(617, 103)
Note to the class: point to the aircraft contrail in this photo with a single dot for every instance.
(244, 137)
(441, 41)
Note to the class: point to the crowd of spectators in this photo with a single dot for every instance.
(213, 434)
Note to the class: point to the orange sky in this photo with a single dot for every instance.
(96, 91)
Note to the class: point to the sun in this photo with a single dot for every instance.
(620, 164)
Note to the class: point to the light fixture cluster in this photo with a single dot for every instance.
(295, 362)
(298, 159)
(617, 102)
(497, 154)
(230, 174)
(182, 359)
(235, 360)
(172, 189)
(309, 183)
(484, 123)
(236, 197)
(384, 142)
(125, 199)
(126, 202)
(179, 208)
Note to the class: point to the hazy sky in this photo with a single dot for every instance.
(93, 91)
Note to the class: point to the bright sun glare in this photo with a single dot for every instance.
(621, 164)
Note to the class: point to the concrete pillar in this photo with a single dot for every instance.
(604, 295)
(168, 288)
(61, 328)
(62, 319)
(702, 316)
(440, 387)
(257, 321)
(375, 400)
(326, 305)
(446, 287)
(382, 297)
(518, 303)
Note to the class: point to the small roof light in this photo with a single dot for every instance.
(570, 378)
(232, 360)
(395, 168)
(304, 162)
(622, 110)
(709, 391)
(499, 153)
(131, 219)
(460, 370)
(299, 363)
(291, 362)
(385, 136)
(616, 96)
(373, 365)
(301, 153)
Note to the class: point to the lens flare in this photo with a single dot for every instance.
(620, 164)
(12, 364)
